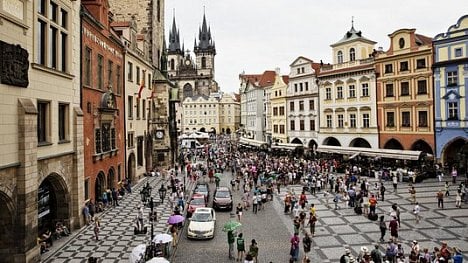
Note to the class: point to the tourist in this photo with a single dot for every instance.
(383, 228)
(440, 199)
(416, 211)
(240, 247)
(231, 239)
(253, 250)
(294, 251)
(97, 228)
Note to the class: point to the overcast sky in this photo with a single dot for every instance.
(258, 35)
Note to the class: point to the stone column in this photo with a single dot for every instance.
(26, 185)
(77, 183)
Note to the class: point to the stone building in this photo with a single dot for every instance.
(102, 100)
(279, 118)
(41, 158)
(405, 94)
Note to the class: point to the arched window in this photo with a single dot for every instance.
(352, 54)
(340, 56)
(172, 65)
(203, 62)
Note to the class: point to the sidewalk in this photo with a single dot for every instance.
(116, 238)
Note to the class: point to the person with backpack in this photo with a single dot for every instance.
(391, 252)
(346, 257)
(294, 251)
(376, 255)
(307, 242)
(240, 247)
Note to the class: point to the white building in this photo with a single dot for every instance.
(348, 114)
(302, 103)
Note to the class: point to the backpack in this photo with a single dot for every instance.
(343, 259)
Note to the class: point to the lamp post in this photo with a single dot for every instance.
(152, 217)
(162, 193)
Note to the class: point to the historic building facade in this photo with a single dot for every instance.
(102, 100)
(138, 99)
(348, 114)
(41, 161)
(278, 108)
(302, 103)
(405, 93)
(451, 90)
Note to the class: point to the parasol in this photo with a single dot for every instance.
(162, 238)
(231, 226)
(175, 219)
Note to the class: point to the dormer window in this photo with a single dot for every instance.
(340, 57)
(401, 42)
(352, 54)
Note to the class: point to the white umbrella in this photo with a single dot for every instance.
(137, 253)
(162, 238)
(158, 260)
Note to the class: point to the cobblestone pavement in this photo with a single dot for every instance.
(116, 238)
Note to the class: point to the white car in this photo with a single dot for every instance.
(202, 223)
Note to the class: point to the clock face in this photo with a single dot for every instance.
(187, 62)
(159, 134)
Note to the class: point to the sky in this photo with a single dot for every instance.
(252, 36)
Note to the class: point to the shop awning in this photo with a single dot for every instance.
(287, 146)
(370, 152)
(251, 142)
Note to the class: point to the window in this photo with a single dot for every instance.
(110, 68)
(405, 119)
(453, 111)
(106, 137)
(130, 71)
(329, 120)
(130, 107)
(295, 87)
(301, 105)
(97, 140)
(328, 93)
(130, 142)
(292, 125)
(364, 90)
(312, 125)
(302, 69)
(63, 128)
(301, 88)
(119, 82)
(422, 118)
(306, 86)
(291, 105)
(87, 66)
(52, 35)
(352, 91)
(143, 112)
(404, 88)
(298, 71)
(389, 90)
(365, 120)
(311, 105)
(86, 189)
(340, 57)
(140, 150)
(452, 78)
(422, 86)
(352, 120)
(43, 121)
(404, 66)
(282, 130)
(458, 52)
(339, 92)
(149, 81)
(100, 72)
(138, 108)
(340, 121)
(420, 63)
(390, 119)
(203, 62)
(275, 111)
(352, 54)
(388, 68)
(301, 125)
(138, 75)
(281, 111)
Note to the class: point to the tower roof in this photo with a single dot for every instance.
(353, 35)
(174, 39)
(205, 41)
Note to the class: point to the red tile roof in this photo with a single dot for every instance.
(424, 40)
(268, 78)
(286, 79)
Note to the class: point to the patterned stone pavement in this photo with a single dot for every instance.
(116, 238)
(337, 229)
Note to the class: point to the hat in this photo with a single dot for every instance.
(364, 249)
(415, 242)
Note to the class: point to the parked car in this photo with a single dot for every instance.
(198, 200)
(202, 223)
(222, 198)
(204, 189)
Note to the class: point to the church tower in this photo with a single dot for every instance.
(205, 52)
(175, 53)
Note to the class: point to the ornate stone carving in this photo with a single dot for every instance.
(14, 65)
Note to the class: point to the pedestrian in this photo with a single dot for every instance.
(416, 211)
(376, 255)
(454, 175)
(458, 198)
(372, 204)
(92, 208)
(239, 211)
(115, 198)
(440, 199)
(240, 247)
(395, 183)
(412, 192)
(311, 223)
(383, 228)
(294, 251)
(231, 239)
(307, 242)
(97, 227)
(302, 200)
(85, 211)
(447, 193)
(393, 225)
(255, 203)
(382, 191)
(253, 250)
(173, 230)
(346, 257)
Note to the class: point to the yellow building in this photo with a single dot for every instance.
(278, 108)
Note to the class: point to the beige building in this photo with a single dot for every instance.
(41, 132)
(218, 113)
(278, 108)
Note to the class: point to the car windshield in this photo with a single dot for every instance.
(222, 194)
(202, 217)
(197, 201)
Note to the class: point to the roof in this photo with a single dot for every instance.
(237, 97)
(254, 78)
(344, 70)
(352, 35)
(316, 67)
(423, 40)
(267, 79)
(285, 79)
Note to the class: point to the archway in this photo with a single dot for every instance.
(297, 141)
(312, 145)
(131, 168)
(111, 179)
(228, 131)
(99, 185)
(52, 203)
(188, 90)
(422, 146)
(203, 129)
(450, 153)
(7, 246)
(360, 142)
(393, 144)
(331, 141)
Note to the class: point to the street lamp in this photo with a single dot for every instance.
(162, 193)
(152, 217)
